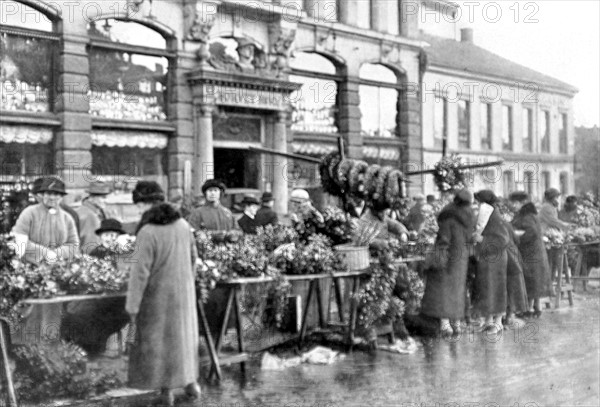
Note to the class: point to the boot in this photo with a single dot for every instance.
(167, 398)
(193, 391)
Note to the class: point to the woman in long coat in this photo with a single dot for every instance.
(490, 298)
(533, 252)
(445, 288)
(161, 299)
(516, 290)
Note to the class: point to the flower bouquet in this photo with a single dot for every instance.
(448, 174)
(582, 235)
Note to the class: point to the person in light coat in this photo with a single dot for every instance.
(161, 299)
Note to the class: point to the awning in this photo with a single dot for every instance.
(383, 153)
(314, 149)
(25, 134)
(137, 139)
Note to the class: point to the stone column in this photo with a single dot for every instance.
(409, 18)
(181, 144)
(280, 178)
(410, 134)
(73, 141)
(349, 116)
(204, 154)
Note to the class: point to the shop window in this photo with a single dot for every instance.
(527, 129)
(128, 80)
(379, 96)
(508, 183)
(563, 140)
(545, 131)
(464, 124)
(440, 119)
(485, 125)
(564, 183)
(507, 131)
(314, 105)
(25, 36)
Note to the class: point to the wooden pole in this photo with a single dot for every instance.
(12, 396)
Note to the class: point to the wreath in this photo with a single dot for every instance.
(380, 187)
(449, 175)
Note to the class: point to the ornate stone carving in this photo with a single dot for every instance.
(280, 40)
(251, 57)
(200, 18)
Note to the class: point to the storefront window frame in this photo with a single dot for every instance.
(337, 78)
(398, 86)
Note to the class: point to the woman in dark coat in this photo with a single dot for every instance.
(445, 288)
(533, 252)
(490, 297)
(516, 290)
(161, 299)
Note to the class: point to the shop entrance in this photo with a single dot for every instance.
(238, 168)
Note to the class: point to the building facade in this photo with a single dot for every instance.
(180, 91)
(488, 108)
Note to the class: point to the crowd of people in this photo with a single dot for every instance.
(489, 271)
(508, 260)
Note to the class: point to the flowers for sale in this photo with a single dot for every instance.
(448, 174)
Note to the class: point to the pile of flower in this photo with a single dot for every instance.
(82, 275)
(582, 235)
(380, 187)
(376, 302)
(448, 175)
(553, 238)
(315, 257)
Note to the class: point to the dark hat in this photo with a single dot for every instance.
(52, 184)
(519, 196)
(486, 196)
(148, 191)
(37, 184)
(213, 183)
(98, 188)
(551, 193)
(571, 199)
(464, 196)
(267, 197)
(249, 200)
(110, 225)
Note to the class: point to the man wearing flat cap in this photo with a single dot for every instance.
(418, 213)
(213, 216)
(91, 214)
(266, 215)
(248, 221)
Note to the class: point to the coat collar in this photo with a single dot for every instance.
(162, 214)
(528, 208)
(463, 214)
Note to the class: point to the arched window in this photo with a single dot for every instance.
(28, 54)
(315, 103)
(129, 66)
(379, 93)
(128, 80)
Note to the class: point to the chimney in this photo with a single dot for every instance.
(466, 35)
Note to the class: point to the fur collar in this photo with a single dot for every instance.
(162, 214)
(463, 214)
(528, 208)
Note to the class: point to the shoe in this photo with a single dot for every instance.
(446, 330)
(457, 328)
(515, 323)
(167, 398)
(492, 329)
(537, 313)
(193, 391)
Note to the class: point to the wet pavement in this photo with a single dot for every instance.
(552, 361)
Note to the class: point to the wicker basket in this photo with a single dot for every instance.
(355, 257)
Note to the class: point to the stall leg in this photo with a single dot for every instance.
(12, 395)
(306, 308)
(338, 298)
(223, 330)
(214, 358)
(238, 325)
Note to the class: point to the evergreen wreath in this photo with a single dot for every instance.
(448, 174)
